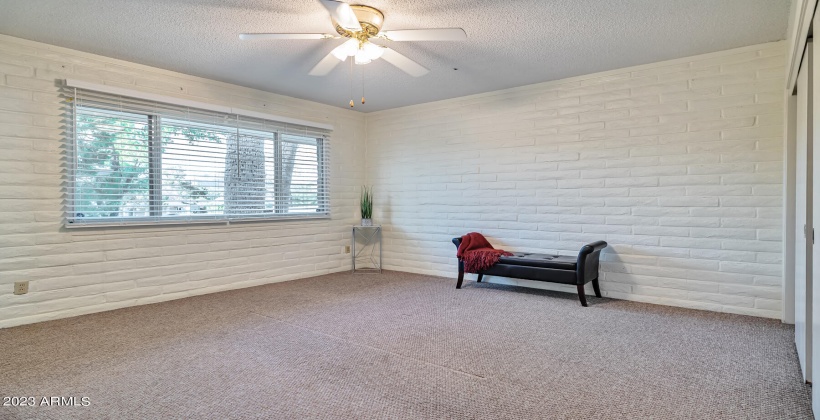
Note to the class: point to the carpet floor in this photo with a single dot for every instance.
(402, 345)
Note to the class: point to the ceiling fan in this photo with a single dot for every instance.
(361, 24)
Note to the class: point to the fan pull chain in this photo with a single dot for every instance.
(351, 82)
(362, 85)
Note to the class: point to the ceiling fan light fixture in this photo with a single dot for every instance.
(348, 49)
(339, 53)
(361, 57)
(372, 51)
(359, 24)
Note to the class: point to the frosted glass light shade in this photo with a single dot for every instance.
(362, 58)
(373, 51)
(348, 49)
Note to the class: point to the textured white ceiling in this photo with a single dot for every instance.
(511, 42)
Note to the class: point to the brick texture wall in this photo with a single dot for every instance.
(80, 271)
(676, 164)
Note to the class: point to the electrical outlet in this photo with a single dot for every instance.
(347, 249)
(20, 287)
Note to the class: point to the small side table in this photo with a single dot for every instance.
(369, 237)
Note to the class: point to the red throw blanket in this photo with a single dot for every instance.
(477, 254)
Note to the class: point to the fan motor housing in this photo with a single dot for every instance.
(370, 18)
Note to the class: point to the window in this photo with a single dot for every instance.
(143, 162)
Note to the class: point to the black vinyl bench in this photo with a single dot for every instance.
(550, 268)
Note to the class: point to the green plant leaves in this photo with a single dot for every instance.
(366, 202)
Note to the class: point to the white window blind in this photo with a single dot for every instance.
(138, 161)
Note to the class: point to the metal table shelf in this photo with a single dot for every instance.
(368, 238)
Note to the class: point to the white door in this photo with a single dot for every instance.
(812, 120)
(803, 217)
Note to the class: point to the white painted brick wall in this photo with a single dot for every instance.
(82, 271)
(676, 164)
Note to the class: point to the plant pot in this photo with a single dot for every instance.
(367, 222)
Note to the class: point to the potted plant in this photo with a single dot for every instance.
(366, 205)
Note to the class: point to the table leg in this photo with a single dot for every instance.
(353, 247)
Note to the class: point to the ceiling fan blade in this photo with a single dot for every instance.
(403, 63)
(325, 66)
(285, 36)
(441, 34)
(342, 14)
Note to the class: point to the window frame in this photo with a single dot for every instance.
(155, 175)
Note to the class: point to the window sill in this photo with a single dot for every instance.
(147, 222)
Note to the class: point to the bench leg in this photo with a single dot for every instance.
(581, 295)
(596, 287)
(460, 279)
(480, 276)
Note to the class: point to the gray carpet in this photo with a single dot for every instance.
(400, 345)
